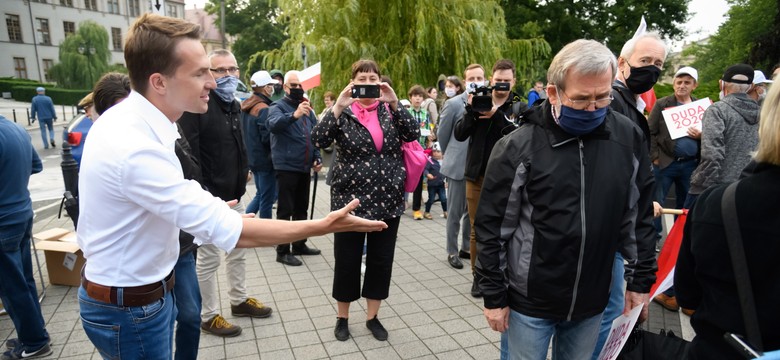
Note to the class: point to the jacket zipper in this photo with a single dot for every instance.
(582, 219)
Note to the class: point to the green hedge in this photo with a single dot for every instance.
(7, 84)
(59, 96)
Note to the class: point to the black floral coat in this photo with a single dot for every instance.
(376, 178)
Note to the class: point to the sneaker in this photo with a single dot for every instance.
(418, 215)
(444, 215)
(428, 216)
(19, 353)
(53, 144)
(252, 308)
(342, 329)
(220, 327)
(377, 329)
(668, 302)
(12, 343)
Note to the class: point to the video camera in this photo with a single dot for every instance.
(482, 99)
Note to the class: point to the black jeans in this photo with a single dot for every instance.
(417, 195)
(348, 251)
(293, 202)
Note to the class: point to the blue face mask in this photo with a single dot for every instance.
(580, 122)
(226, 88)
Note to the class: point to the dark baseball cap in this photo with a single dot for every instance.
(739, 74)
(276, 72)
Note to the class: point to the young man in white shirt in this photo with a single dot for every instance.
(135, 198)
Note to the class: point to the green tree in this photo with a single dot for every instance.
(613, 22)
(749, 30)
(413, 41)
(84, 57)
(257, 24)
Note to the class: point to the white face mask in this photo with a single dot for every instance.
(450, 92)
(471, 86)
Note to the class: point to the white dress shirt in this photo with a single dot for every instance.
(134, 199)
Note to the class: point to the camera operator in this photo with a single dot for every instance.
(485, 129)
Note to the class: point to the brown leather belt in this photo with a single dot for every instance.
(131, 296)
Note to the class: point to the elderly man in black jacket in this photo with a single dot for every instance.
(560, 196)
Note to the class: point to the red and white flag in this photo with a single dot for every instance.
(310, 77)
(667, 260)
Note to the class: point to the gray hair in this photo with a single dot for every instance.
(220, 52)
(630, 45)
(732, 88)
(290, 73)
(586, 57)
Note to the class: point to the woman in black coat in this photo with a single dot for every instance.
(704, 279)
(370, 167)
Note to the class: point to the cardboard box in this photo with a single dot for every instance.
(64, 259)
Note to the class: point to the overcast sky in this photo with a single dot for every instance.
(707, 15)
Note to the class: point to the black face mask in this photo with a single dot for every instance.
(278, 89)
(642, 78)
(296, 94)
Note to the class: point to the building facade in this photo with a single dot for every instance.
(211, 37)
(33, 30)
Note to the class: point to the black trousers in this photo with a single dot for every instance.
(417, 195)
(380, 251)
(293, 202)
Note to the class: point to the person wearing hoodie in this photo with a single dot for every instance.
(729, 133)
(254, 116)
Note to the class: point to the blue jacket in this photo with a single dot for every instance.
(254, 117)
(43, 107)
(18, 160)
(291, 147)
(433, 167)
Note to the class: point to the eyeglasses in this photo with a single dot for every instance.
(585, 104)
(223, 71)
(293, 86)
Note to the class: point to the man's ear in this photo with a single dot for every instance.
(158, 83)
(552, 94)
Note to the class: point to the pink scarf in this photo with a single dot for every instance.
(368, 116)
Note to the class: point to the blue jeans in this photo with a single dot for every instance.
(17, 285)
(615, 305)
(137, 332)
(677, 173)
(528, 338)
(432, 192)
(46, 123)
(187, 294)
(263, 202)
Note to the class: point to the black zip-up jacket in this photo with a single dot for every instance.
(624, 102)
(484, 134)
(553, 211)
(217, 142)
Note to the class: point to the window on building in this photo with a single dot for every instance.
(90, 4)
(14, 28)
(172, 11)
(135, 7)
(68, 3)
(40, 1)
(116, 38)
(42, 31)
(69, 28)
(20, 68)
(113, 6)
(47, 64)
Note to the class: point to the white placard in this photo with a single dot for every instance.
(619, 333)
(157, 7)
(425, 132)
(679, 118)
(70, 261)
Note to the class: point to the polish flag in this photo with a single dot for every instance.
(667, 260)
(310, 77)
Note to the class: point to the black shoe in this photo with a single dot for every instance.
(53, 144)
(464, 255)
(342, 329)
(305, 250)
(475, 292)
(377, 329)
(454, 262)
(12, 343)
(18, 353)
(288, 259)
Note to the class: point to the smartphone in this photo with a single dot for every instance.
(739, 344)
(365, 91)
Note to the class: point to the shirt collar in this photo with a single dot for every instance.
(161, 126)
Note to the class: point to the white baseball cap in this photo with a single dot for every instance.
(687, 70)
(405, 102)
(759, 78)
(261, 78)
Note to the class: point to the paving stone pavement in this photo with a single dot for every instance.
(429, 314)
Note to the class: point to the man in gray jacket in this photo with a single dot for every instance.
(453, 165)
(729, 133)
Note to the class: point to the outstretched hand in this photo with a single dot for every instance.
(342, 220)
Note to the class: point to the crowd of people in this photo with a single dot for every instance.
(554, 198)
